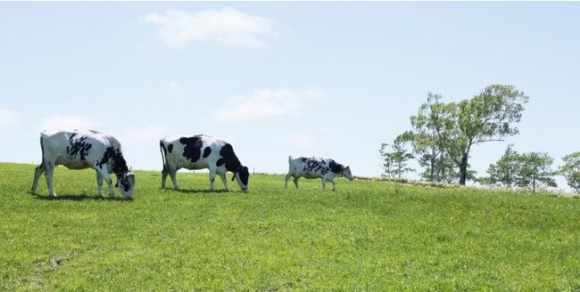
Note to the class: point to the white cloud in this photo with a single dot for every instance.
(69, 122)
(264, 103)
(146, 133)
(227, 25)
(9, 118)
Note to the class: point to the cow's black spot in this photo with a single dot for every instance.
(206, 152)
(244, 175)
(170, 148)
(114, 156)
(192, 147)
(230, 159)
(220, 162)
(304, 159)
(78, 147)
(119, 164)
(125, 184)
(314, 165)
(108, 154)
(335, 167)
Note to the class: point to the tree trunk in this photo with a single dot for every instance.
(463, 169)
(442, 168)
(432, 170)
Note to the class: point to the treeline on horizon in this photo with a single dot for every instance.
(443, 134)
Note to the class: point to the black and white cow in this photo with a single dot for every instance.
(199, 152)
(80, 149)
(312, 167)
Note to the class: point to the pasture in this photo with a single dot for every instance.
(363, 237)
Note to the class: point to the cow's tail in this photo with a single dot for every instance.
(42, 149)
(163, 155)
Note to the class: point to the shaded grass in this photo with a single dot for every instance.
(364, 237)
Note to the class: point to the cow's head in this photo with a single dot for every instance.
(346, 173)
(126, 185)
(242, 175)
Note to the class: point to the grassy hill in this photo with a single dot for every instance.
(363, 237)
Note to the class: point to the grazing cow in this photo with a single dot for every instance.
(199, 152)
(84, 149)
(312, 167)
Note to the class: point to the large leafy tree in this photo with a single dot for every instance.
(571, 170)
(437, 166)
(457, 127)
(426, 152)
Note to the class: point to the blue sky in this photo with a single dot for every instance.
(330, 79)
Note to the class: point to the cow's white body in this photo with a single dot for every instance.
(201, 152)
(312, 167)
(80, 149)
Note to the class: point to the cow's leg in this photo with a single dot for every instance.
(224, 181)
(211, 177)
(296, 181)
(323, 183)
(173, 175)
(38, 171)
(286, 181)
(107, 177)
(164, 174)
(49, 171)
(333, 185)
(99, 184)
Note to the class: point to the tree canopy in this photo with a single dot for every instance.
(571, 170)
(395, 158)
(456, 127)
(521, 170)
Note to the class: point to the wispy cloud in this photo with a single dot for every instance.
(9, 118)
(227, 26)
(264, 103)
(69, 122)
(145, 133)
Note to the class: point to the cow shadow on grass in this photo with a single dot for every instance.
(79, 197)
(197, 191)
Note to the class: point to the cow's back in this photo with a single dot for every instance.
(193, 152)
(297, 165)
(54, 143)
(76, 149)
(309, 167)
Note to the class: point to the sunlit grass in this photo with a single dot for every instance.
(367, 236)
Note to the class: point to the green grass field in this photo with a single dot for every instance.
(363, 237)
